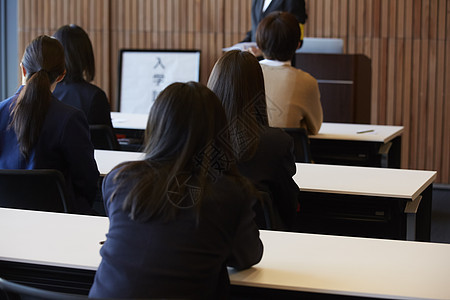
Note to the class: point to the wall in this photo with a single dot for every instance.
(407, 41)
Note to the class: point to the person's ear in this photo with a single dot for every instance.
(61, 77)
(22, 68)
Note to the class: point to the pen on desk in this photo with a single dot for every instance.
(365, 131)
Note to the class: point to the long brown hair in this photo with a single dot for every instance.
(186, 150)
(238, 81)
(43, 61)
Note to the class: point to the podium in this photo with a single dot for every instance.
(344, 84)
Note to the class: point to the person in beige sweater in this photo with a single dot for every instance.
(293, 97)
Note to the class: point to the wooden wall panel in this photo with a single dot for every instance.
(406, 40)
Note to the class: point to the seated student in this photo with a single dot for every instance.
(75, 89)
(39, 132)
(265, 154)
(179, 217)
(293, 97)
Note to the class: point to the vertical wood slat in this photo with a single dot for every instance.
(407, 41)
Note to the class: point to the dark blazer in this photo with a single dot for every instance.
(295, 7)
(63, 144)
(271, 170)
(181, 258)
(88, 98)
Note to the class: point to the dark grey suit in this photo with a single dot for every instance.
(295, 7)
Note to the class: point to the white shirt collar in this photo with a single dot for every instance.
(275, 63)
(266, 5)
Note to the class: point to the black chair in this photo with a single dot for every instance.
(103, 137)
(302, 149)
(12, 291)
(40, 189)
(267, 216)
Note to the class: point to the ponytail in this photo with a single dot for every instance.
(43, 61)
(28, 114)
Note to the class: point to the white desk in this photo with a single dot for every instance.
(349, 132)
(129, 121)
(292, 261)
(107, 159)
(336, 143)
(357, 144)
(364, 181)
(407, 185)
(412, 186)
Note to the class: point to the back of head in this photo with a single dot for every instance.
(278, 36)
(184, 120)
(187, 142)
(79, 54)
(43, 61)
(238, 81)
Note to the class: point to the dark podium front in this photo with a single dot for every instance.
(344, 84)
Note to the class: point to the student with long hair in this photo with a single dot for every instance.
(39, 132)
(265, 154)
(76, 88)
(183, 214)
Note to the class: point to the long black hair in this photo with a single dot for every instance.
(186, 149)
(43, 61)
(79, 55)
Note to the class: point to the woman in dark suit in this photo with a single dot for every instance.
(39, 132)
(76, 89)
(179, 217)
(265, 154)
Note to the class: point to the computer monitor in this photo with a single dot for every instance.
(322, 45)
(143, 74)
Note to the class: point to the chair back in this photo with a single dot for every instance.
(267, 216)
(103, 137)
(40, 189)
(302, 149)
(11, 290)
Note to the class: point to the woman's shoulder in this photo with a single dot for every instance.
(80, 87)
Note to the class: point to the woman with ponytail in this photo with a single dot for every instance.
(39, 132)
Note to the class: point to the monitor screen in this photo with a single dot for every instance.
(322, 45)
(143, 74)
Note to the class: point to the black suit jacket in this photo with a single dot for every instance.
(183, 258)
(88, 98)
(295, 7)
(271, 170)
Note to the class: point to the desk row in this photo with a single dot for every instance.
(359, 201)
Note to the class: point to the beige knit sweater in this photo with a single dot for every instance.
(293, 98)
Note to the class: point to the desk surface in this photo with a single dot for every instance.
(349, 132)
(129, 121)
(331, 131)
(364, 181)
(107, 159)
(291, 261)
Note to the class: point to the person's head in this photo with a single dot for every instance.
(238, 81)
(42, 66)
(185, 119)
(278, 36)
(186, 146)
(80, 61)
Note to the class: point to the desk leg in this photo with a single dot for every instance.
(423, 216)
(411, 213)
